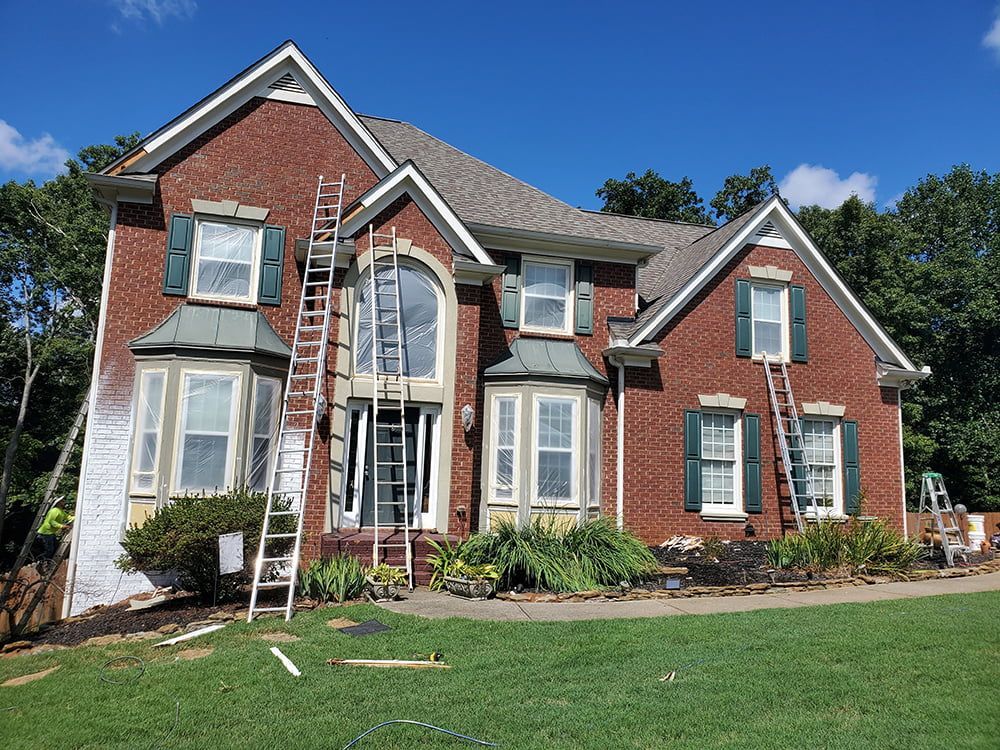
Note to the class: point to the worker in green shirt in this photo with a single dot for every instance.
(56, 521)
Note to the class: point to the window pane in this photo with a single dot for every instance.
(555, 475)
(204, 462)
(205, 432)
(818, 437)
(544, 312)
(766, 303)
(147, 430)
(546, 291)
(767, 320)
(225, 259)
(718, 466)
(594, 450)
(546, 280)
(208, 403)
(767, 337)
(265, 426)
(506, 435)
(555, 423)
(555, 435)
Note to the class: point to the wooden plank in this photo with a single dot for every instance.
(404, 663)
(189, 636)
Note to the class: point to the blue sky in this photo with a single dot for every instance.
(836, 97)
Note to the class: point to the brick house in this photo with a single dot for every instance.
(605, 364)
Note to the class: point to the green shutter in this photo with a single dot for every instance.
(852, 467)
(692, 460)
(510, 293)
(751, 464)
(272, 263)
(178, 264)
(584, 298)
(743, 337)
(800, 350)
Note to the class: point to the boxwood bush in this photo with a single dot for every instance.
(183, 537)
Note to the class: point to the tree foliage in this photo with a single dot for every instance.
(741, 192)
(653, 197)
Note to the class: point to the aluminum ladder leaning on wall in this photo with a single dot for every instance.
(934, 502)
(389, 464)
(303, 404)
(790, 440)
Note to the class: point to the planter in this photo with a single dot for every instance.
(476, 589)
(382, 592)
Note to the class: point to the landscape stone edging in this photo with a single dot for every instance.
(752, 588)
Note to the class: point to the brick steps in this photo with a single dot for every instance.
(358, 542)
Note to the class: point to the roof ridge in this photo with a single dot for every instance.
(599, 212)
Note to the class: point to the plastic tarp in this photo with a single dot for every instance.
(266, 404)
(147, 434)
(225, 259)
(418, 308)
(556, 432)
(546, 289)
(206, 429)
(767, 320)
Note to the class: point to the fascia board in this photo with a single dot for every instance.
(123, 188)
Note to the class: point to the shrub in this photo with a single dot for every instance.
(548, 555)
(443, 561)
(852, 548)
(387, 574)
(480, 572)
(336, 579)
(182, 537)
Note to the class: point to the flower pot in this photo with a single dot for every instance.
(476, 589)
(382, 592)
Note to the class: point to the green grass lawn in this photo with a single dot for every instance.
(920, 673)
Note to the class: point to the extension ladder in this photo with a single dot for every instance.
(790, 440)
(303, 405)
(388, 367)
(934, 502)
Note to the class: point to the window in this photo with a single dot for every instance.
(419, 305)
(819, 437)
(546, 302)
(505, 446)
(266, 406)
(719, 459)
(225, 260)
(205, 443)
(149, 416)
(594, 450)
(555, 442)
(768, 314)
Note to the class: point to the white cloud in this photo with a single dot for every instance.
(41, 156)
(812, 184)
(157, 11)
(992, 38)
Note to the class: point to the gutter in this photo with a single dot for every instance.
(638, 249)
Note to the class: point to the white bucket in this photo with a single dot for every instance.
(977, 530)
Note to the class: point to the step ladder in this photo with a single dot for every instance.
(936, 505)
(302, 408)
(793, 454)
(388, 435)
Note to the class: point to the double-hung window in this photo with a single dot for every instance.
(225, 260)
(820, 439)
(149, 418)
(505, 414)
(266, 407)
(769, 316)
(556, 443)
(205, 449)
(546, 291)
(720, 483)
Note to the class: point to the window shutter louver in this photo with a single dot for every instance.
(753, 502)
(510, 293)
(743, 337)
(178, 264)
(272, 263)
(852, 467)
(692, 460)
(584, 298)
(800, 349)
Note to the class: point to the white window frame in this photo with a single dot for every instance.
(568, 327)
(785, 327)
(494, 446)
(254, 260)
(234, 411)
(595, 452)
(737, 508)
(573, 501)
(251, 434)
(837, 508)
(139, 430)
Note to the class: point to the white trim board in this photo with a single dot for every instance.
(805, 249)
(252, 82)
(408, 179)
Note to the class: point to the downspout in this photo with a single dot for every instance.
(902, 457)
(620, 451)
(92, 410)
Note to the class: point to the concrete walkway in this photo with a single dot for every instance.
(434, 604)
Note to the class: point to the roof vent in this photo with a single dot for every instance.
(287, 83)
(769, 230)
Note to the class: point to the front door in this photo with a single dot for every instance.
(419, 472)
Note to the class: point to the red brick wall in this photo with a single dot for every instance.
(700, 359)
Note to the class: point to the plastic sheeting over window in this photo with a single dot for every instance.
(767, 320)
(207, 426)
(266, 404)
(225, 260)
(556, 438)
(546, 294)
(419, 312)
(149, 419)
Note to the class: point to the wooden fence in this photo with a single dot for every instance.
(50, 608)
(992, 519)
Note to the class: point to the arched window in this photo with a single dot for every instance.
(419, 306)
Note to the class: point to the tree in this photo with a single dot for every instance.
(653, 197)
(52, 243)
(740, 193)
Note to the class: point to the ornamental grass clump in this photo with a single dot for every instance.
(845, 549)
(335, 579)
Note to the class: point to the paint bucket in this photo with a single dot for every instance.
(977, 530)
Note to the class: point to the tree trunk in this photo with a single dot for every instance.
(30, 373)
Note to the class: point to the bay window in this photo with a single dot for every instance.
(204, 458)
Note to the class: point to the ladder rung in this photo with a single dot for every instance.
(310, 328)
(269, 609)
(313, 299)
(283, 513)
(298, 412)
(301, 393)
(296, 430)
(280, 536)
(276, 559)
(273, 585)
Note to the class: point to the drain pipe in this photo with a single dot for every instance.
(620, 448)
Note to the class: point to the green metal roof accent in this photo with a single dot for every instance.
(545, 358)
(221, 328)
